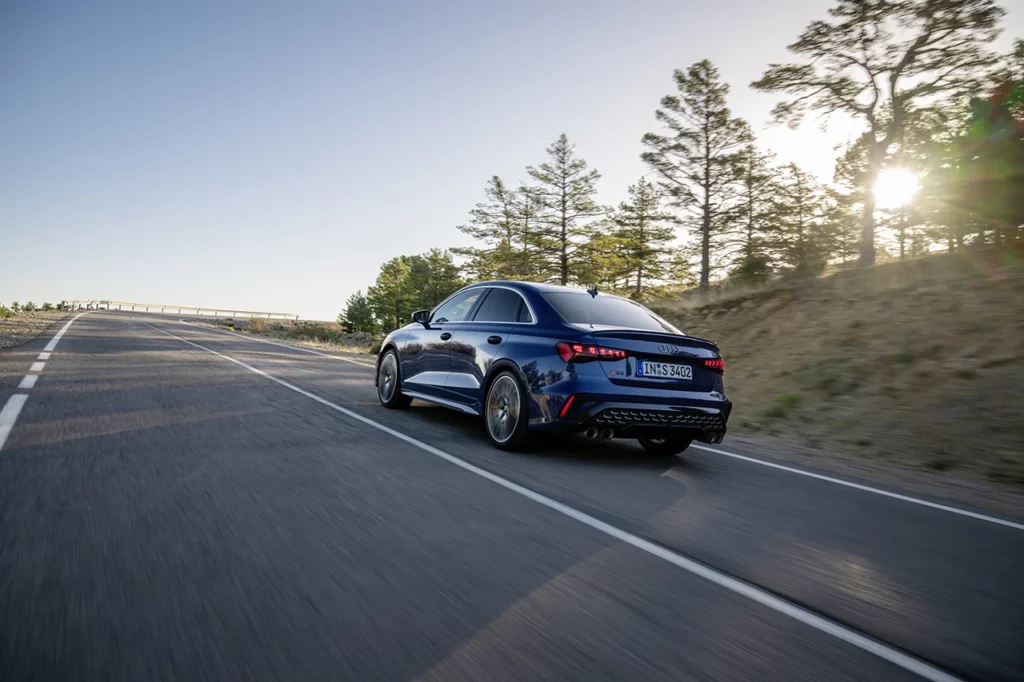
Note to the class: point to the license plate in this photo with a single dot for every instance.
(668, 370)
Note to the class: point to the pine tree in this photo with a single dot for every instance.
(645, 234)
(409, 283)
(751, 257)
(566, 189)
(696, 158)
(529, 211)
(600, 262)
(494, 223)
(802, 210)
(358, 315)
(433, 276)
(391, 296)
(879, 60)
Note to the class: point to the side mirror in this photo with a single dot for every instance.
(421, 316)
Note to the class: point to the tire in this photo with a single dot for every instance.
(389, 383)
(665, 447)
(506, 413)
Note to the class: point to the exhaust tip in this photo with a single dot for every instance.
(591, 433)
(608, 434)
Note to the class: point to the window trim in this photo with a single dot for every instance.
(478, 303)
(472, 309)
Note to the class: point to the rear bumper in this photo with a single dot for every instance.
(702, 419)
(633, 420)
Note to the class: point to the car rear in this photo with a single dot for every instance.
(634, 375)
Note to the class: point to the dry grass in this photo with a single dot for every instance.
(320, 335)
(24, 327)
(920, 363)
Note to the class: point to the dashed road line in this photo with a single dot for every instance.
(755, 594)
(12, 408)
(9, 415)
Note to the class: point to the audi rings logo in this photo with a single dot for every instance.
(667, 349)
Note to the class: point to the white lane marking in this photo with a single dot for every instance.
(56, 337)
(753, 460)
(866, 488)
(755, 594)
(37, 367)
(283, 345)
(9, 415)
(43, 356)
(29, 381)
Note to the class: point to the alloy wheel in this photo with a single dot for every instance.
(503, 408)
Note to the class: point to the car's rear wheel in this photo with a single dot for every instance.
(506, 413)
(665, 447)
(389, 385)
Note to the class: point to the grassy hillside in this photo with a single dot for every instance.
(919, 363)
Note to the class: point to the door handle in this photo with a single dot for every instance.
(445, 336)
(493, 339)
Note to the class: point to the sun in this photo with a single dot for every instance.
(895, 188)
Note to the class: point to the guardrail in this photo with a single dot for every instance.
(173, 309)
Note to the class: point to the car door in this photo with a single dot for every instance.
(477, 341)
(425, 355)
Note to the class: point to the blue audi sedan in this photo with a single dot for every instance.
(531, 358)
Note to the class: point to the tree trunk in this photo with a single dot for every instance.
(903, 236)
(705, 249)
(867, 220)
(705, 227)
(564, 274)
(564, 265)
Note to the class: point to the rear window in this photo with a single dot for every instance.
(604, 310)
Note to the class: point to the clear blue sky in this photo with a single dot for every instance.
(272, 155)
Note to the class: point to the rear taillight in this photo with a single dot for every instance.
(715, 364)
(582, 352)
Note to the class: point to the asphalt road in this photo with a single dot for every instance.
(167, 513)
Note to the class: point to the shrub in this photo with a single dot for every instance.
(29, 307)
(313, 331)
(5, 312)
(790, 399)
(375, 348)
(257, 325)
(15, 307)
(47, 306)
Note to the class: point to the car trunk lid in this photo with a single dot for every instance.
(667, 350)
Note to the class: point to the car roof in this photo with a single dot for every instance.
(535, 286)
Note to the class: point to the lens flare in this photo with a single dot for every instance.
(895, 188)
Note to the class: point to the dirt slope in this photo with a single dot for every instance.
(918, 363)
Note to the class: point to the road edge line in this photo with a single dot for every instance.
(746, 458)
(755, 594)
(276, 343)
(866, 488)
